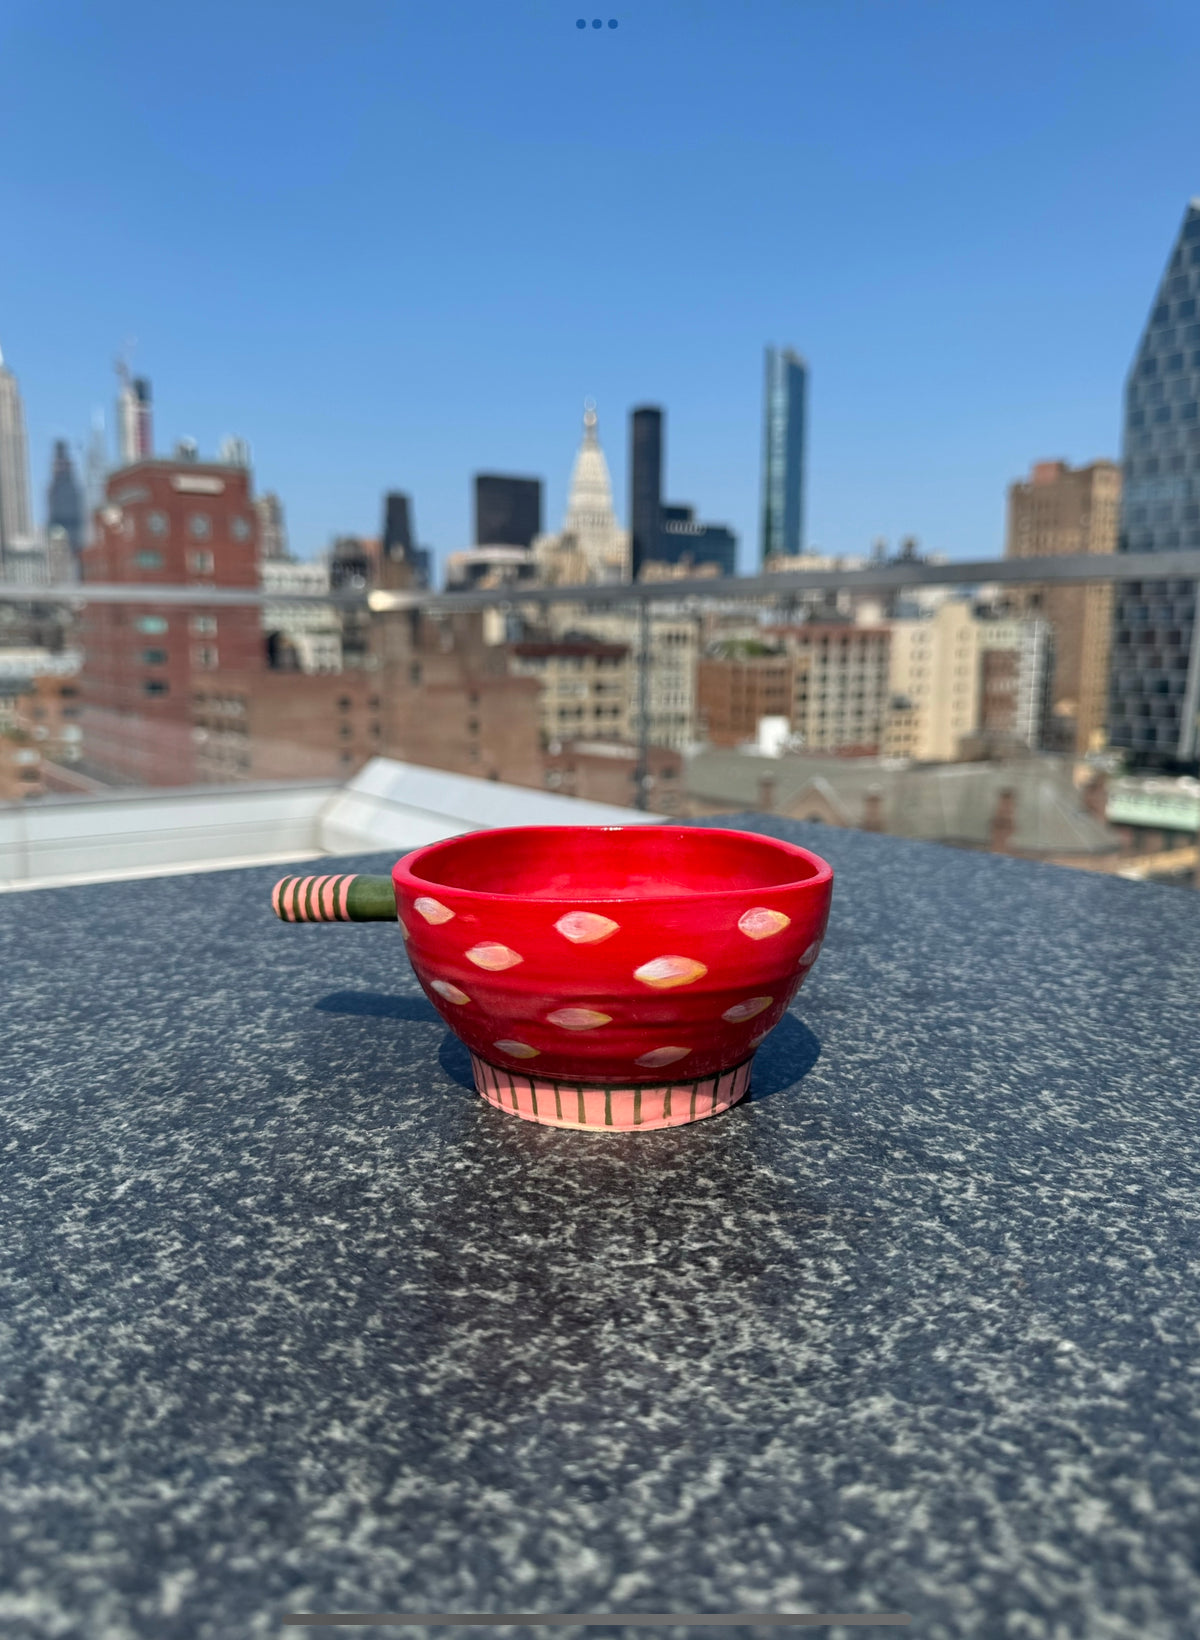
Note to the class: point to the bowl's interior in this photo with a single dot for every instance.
(617, 862)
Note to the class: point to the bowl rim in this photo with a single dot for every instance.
(822, 876)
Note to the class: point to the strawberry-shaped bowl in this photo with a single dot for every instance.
(602, 977)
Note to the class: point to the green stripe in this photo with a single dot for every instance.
(533, 1095)
(310, 915)
(512, 1088)
(692, 1108)
(296, 899)
(557, 1103)
(339, 897)
(666, 1104)
(582, 1108)
(608, 1107)
(637, 1107)
(716, 1091)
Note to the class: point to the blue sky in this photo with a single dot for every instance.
(394, 244)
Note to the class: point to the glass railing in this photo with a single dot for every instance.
(939, 702)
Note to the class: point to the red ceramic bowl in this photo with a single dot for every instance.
(612, 976)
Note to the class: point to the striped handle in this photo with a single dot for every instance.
(345, 898)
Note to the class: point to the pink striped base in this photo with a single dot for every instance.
(575, 1105)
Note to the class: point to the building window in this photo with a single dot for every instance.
(151, 624)
(156, 522)
(154, 686)
(206, 658)
(148, 559)
(200, 526)
(154, 657)
(204, 626)
(200, 563)
(344, 703)
(240, 529)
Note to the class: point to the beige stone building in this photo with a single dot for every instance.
(1062, 510)
(585, 686)
(934, 684)
(840, 683)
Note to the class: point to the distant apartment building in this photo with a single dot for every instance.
(674, 650)
(1016, 669)
(1058, 511)
(934, 684)
(683, 540)
(300, 637)
(840, 683)
(585, 686)
(736, 688)
(165, 523)
(1154, 690)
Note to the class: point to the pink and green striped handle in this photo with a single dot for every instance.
(340, 898)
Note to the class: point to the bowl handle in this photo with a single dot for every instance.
(342, 898)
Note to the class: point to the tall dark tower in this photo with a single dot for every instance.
(397, 526)
(508, 511)
(786, 391)
(1154, 682)
(645, 485)
(64, 497)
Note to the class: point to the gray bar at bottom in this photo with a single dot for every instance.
(633, 1620)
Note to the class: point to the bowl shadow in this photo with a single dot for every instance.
(784, 1059)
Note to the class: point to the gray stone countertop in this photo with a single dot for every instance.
(291, 1320)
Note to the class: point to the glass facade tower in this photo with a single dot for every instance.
(784, 428)
(1154, 682)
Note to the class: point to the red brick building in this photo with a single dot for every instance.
(170, 523)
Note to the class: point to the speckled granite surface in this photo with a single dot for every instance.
(292, 1320)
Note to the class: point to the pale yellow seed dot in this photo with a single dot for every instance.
(433, 911)
(760, 924)
(811, 955)
(578, 1019)
(451, 993)
(746, 1010)
(662, 1056)
(665, 972)
(516, 1050)
(585, 927)
(493, 956)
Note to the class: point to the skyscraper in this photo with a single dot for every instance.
(784, 428)
(272, 530)
(64, 497)
(645, 485)
(16, 518)
(1154, 684)
(398, 545)
(135, 433)
(508, 511)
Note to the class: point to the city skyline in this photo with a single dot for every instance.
(363, 298)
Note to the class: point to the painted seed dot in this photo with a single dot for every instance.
(811, 955)
(757, 1041)
(759, 924)
(585, 927)
(516, 1050)
(578, 1019)
(746, 1010)
(666, 972)
(451, 993)
(433, 911)
(493, 956)
(662, 1056)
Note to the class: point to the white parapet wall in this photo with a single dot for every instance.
(403, 806)
(116, 834)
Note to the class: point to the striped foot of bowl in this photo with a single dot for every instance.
(574, 1105)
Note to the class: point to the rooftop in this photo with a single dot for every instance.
(296, 1322)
